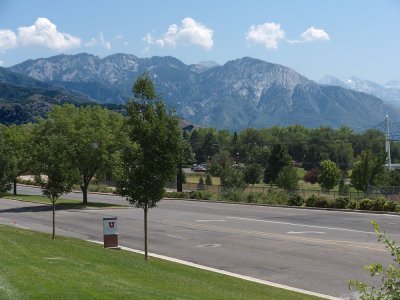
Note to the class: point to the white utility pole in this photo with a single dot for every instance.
(387, 142)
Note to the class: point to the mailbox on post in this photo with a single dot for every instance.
(110, 232)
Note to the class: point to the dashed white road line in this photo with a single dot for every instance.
(301, 225)
(176, 237)
(210, 221)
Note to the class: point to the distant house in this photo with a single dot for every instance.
(185, 125)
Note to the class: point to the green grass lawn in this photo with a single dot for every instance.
(61, 202)
(35, 267)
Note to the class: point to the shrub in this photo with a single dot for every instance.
(390, 275)
(254, 197)
(275, 197)
(353, 204)
(311, 176)
(321, 202)
(365, 204)
(341, 202)
(232, 195)
(101, 188)
(310, 201)
(177, 195)
(201, 185)
(378, 204)
(208, 179)
(295, 200)
(390, 206)
(201, 195)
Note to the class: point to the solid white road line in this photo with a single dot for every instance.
(301, 225)
(248, 278)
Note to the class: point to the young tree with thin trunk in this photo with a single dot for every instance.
(53, 166)
(150, 156)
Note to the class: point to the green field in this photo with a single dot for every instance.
(61, 202)
(35, 267)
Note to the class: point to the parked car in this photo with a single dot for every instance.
(199, 168)
(193, 166)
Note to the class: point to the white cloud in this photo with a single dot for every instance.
(119, 37)
(1, 63)
(8, 39)
(100, 40)
(267, 34)
(189, 33)
(91, 43)
(311, 35)
(314, 34)
(106, 44)
(44, 33)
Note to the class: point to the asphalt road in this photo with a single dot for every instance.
(309, 249)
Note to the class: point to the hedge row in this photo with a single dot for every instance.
(279, 197)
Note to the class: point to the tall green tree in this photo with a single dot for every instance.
(329, 174)
(287, 178)
(53, 165)
(7, 164)
(19, 139)
(93, 135)
(232, 178)
(367, 169)
(278, 159)
(253, 173)
(150, 156)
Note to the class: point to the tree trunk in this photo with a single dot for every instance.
(15, 186)
(145, 232)
(84, 193)
(54, 221)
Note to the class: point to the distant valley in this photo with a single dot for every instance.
(242, 93)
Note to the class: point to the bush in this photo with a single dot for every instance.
(295, 200)
(254, 198)
(390, 206)
(378, 204)
(184, 195)
(365, 204)
(201, 185)
(341, 202)
(208, 179)
(310, 201)
(353, 204)
(275, 197)
(201, 195)
(311, 176)
(321, 202)
(100, 188)
(232, 195)
(390, 275)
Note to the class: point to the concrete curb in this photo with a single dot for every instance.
(219, 271)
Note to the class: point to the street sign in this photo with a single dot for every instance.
(110, 232)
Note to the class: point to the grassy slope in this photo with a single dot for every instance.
(35, 267)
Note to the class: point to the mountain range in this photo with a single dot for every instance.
(23, 98)
(242, 93)
(389, 92)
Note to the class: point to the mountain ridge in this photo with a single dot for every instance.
(245, 92)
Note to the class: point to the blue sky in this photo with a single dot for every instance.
(337, 37)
